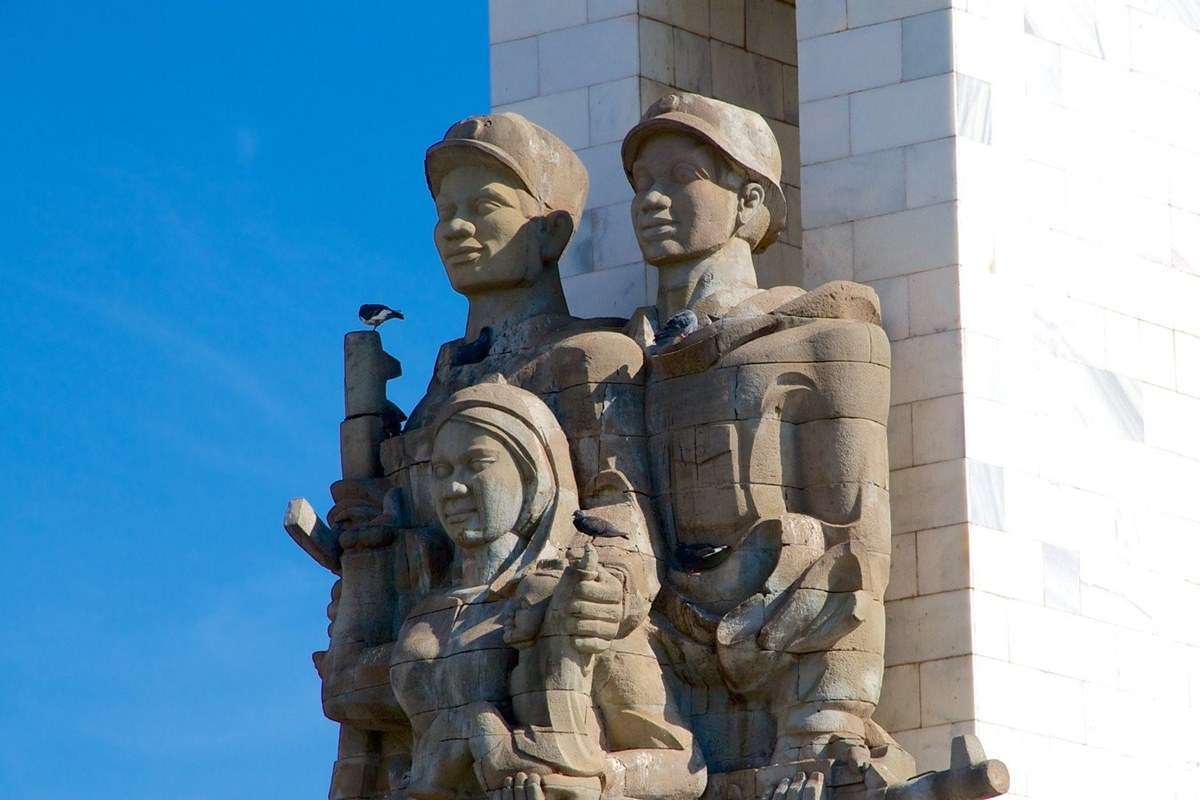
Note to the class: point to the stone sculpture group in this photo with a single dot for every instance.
(612, 558)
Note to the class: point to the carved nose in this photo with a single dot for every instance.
(655, 201)
(457, 489)
(459, 228)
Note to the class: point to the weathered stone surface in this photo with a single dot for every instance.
(620, 559)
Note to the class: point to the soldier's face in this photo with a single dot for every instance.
(680, 210)
(477, 485)
(486, 233)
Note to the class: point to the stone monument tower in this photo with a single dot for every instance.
(813, 419)
(1018, 182)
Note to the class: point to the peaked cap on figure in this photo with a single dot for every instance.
(547, 168)
(739, 134)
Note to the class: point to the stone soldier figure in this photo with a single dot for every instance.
(509, 196)
(767, 414)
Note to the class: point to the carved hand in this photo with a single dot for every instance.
(521, 787)
(799, 787)
(364, 513)
(595, 606)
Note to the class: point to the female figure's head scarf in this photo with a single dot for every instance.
(528, 430)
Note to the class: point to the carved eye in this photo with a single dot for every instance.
(482, 463)
(485, 206)
(641, 181)
(442, 470)
(684, 172)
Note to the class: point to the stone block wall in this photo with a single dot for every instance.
(586, 69)
(1078, 168)
(1019, 180)
(878, 119)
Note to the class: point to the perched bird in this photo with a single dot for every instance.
(374, 314)
(473, 352)
(695, 558)
(593, 526)
(677, 327)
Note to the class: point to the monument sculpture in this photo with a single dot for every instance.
(617, 558)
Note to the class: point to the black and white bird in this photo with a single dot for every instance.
(374, 314)
(594, 526)
(677, 327)
(694, 558)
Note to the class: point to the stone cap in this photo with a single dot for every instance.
(740, 134)
(547, 168)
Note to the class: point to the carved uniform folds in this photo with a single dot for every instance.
(509, 195)
(620, 559)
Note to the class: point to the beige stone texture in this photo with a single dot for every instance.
(644, 558)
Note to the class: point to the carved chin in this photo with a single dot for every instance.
(662, 251)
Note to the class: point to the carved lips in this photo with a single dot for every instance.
(457, 512)
(464, 255)
(656, 228)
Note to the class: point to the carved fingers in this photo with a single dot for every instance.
(521, 787)
(595, 607)
(800, 787)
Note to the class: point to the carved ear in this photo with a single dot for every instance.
(556, 230)
(751, 198)
(753, 218)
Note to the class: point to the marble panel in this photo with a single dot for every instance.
(973, 109)
(852, 188)
(819, 17)
(771, 29)
(1071, 23)
(850, 61)
(560, 67)
(926, 45)
(933, 304)
(904, 242)
(930, 171)
(905, 113)
(937, 427)
(946, 691)
(824, 129)
(606, 293)
(727, 21)
(517, 19)
(514, 71)
(604, 9)
(564, 114)
(869, 12)
(612, 110)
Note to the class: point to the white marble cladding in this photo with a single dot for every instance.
(585, 69)
(879, 121)
(1077, 166)
(1020, 182)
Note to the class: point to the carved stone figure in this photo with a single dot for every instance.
(618, 559)
(495, 679)
(509, 195)
(767, 414)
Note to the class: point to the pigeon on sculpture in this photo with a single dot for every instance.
(594, 526)
(475, 351)
(695, 558)
(374, 314)
(677, 327)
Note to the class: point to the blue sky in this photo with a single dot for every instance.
(194, 200)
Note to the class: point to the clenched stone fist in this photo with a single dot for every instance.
(596, 604)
